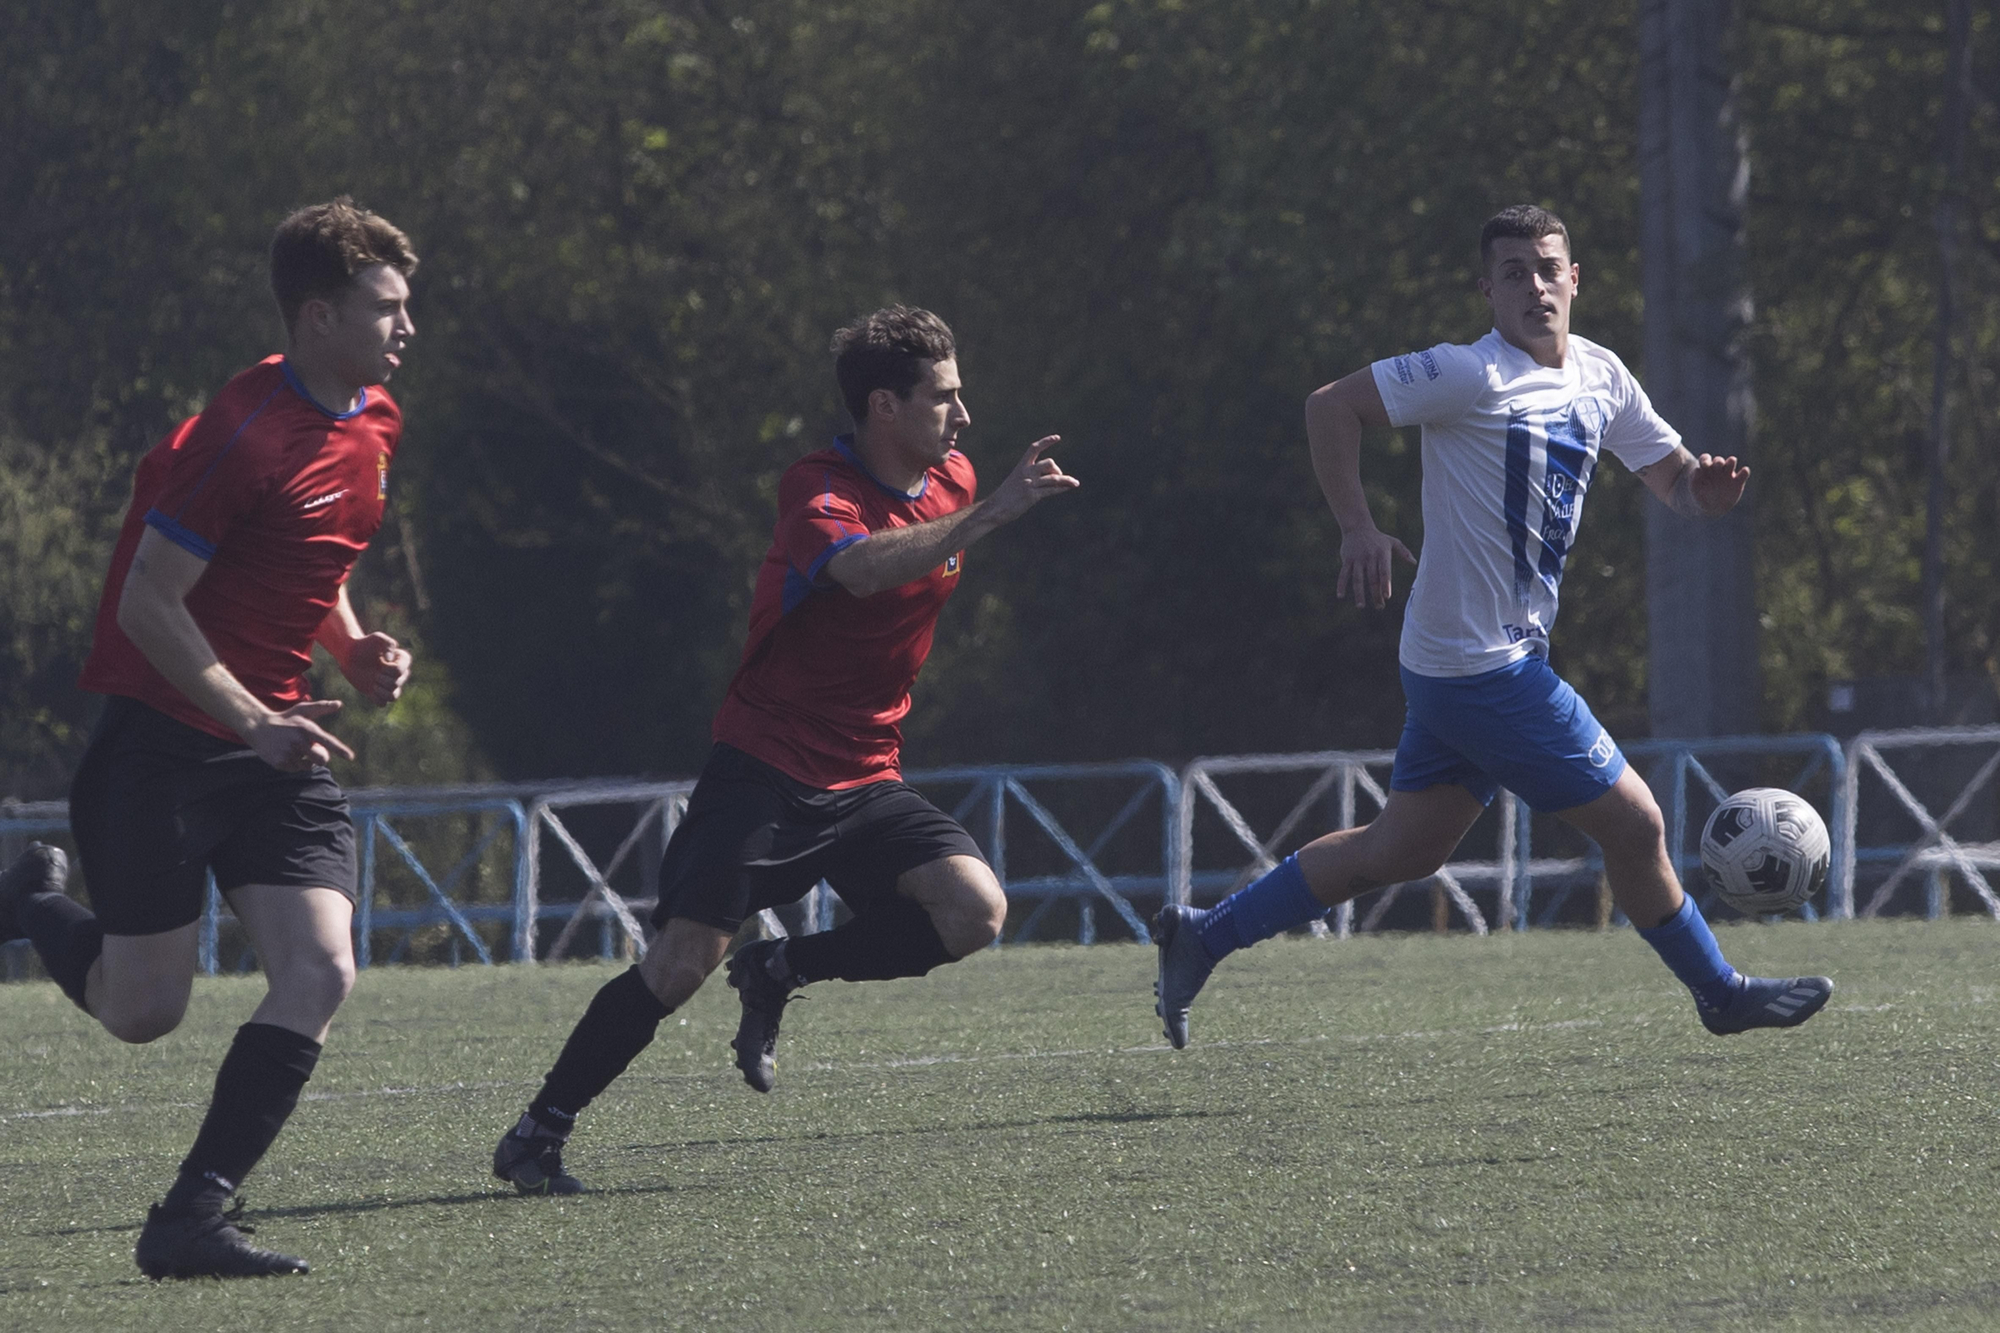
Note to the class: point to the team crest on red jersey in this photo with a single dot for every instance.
(382, 475)
(951, 566)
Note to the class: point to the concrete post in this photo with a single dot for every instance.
(1694, 183)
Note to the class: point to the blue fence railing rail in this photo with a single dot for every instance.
(529, 871)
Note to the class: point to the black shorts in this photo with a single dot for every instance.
(157, 804)
(754, 838)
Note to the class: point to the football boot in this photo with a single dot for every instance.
(40, 869)
(764, 999)
(1184, 967)
(1767, 1002)
(206, 1243)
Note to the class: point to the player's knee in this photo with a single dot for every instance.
(976, 919)
(675, 981)
(1401, 862)
(149, 1020)
(1639, 828)
(984, 922)
(320, 984)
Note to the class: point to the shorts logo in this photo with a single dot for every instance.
(950, 566)
(1430, 365)
(1404, 375)
(1601, 752)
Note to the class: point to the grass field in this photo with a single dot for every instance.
(1406, 1133)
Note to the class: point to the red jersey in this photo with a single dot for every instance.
(826, 675)
(280, 497)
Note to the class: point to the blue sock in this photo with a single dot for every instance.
(1268, 906)
(1687, 946)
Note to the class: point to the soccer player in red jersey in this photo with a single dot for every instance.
(210, 755)
(803, 780)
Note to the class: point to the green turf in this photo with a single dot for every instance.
(1419, 1132)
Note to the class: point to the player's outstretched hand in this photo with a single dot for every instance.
(1365, 561)
(1717, 483)
(378, 667)
(293, 741)
(1034, 479)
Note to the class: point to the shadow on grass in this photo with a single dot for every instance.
(495, 1195)
(987, 1127)
(501, 1196)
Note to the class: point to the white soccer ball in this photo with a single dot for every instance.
(1765, 850)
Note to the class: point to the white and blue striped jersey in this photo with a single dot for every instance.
(1509, 448)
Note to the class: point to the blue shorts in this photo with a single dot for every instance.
(1521, 727)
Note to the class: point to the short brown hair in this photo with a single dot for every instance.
(886, 350)
(1525, 222)
(319, 249)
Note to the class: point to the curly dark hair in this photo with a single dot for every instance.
(1525, 222)
(319, 249)
(887, 350)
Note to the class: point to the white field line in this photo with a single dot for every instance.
(72, 1111)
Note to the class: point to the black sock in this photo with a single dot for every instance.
(620, 1023)
(255, 1091)
(894, 939)
(65, 934)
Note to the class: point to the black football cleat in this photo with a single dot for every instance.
(1184, 968)
(40, 869)
(764, 1000)
(177, 1243)
(533, 1164)
(1768, 1002)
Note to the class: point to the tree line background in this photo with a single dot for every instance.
(1155, 226)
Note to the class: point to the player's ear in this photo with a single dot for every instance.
(317, 314)
(882, 403)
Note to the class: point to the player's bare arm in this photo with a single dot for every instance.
(374, 664)
(1694, 486)
(895, 556)
(1336, 414)
(152, 610)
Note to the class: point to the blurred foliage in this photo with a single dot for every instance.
(1155, 226)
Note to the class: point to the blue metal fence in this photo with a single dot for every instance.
(530, 871)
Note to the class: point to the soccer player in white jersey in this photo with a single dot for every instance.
(1512, 428)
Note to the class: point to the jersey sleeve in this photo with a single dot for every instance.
(1637, 435)
(819, 516)
(1436, 385)
(212, 481)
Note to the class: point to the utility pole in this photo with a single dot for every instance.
(1694, 173)
(1951, 156)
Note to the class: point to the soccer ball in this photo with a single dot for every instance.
(1765, 850)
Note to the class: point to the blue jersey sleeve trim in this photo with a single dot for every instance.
(812, 574)
(178, 535)
(797, 588)
(298, 386)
